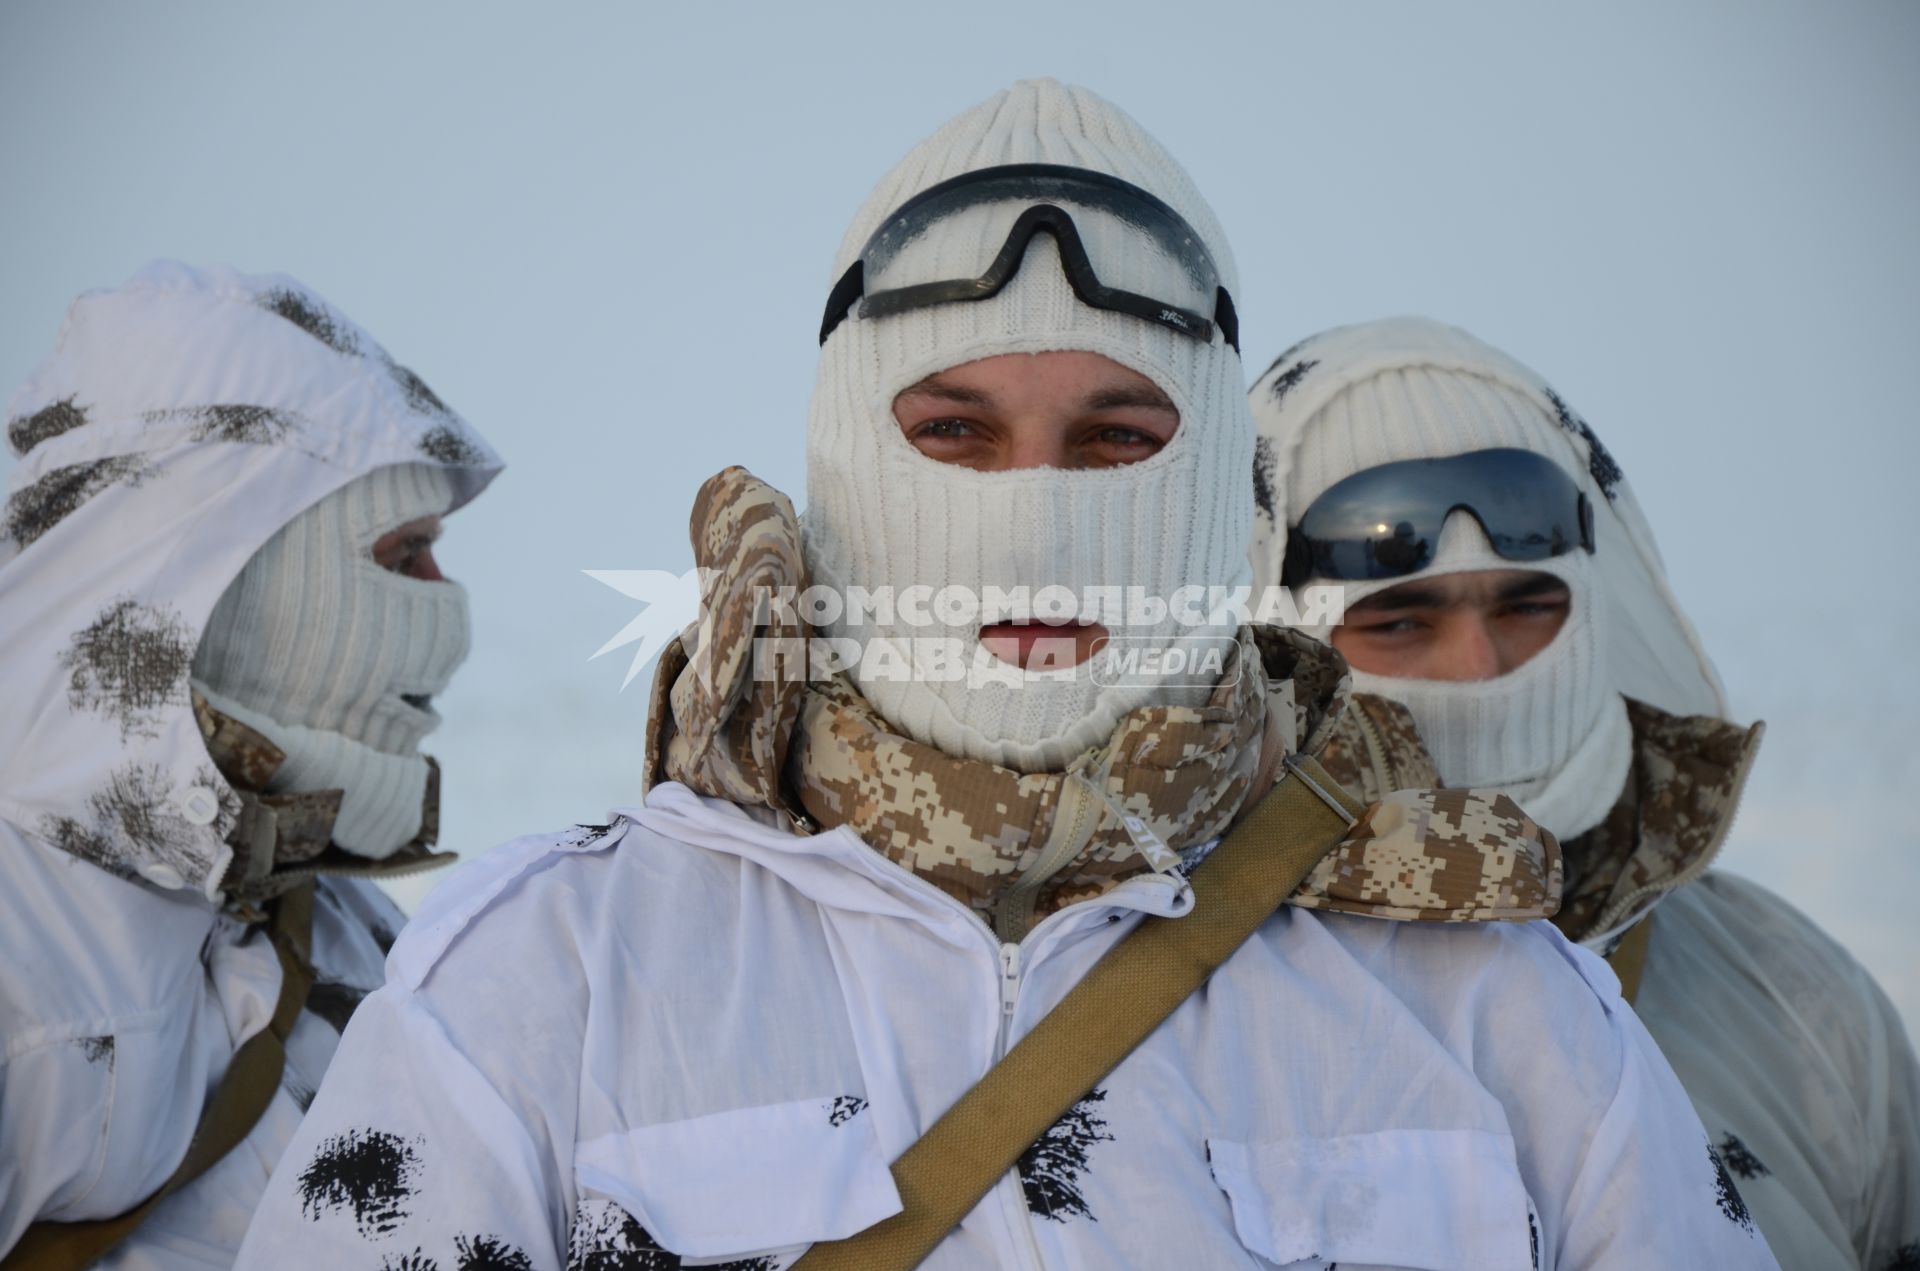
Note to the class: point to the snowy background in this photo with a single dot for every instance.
(604, 234)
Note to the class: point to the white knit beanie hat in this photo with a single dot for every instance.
(880, 513)
(1552, 733)
(336, 659)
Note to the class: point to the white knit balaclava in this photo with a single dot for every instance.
(1553, 733)
(336, 659)
(881, 514)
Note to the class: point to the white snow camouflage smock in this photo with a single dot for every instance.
(691, 1038)
(180, 422)
(1793, 1056)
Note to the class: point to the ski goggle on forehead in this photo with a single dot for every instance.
(1385, 522)
(1122, 249)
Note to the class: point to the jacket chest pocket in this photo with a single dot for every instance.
(762, 1181)
(1433, 1200)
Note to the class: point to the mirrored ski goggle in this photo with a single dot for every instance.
(1385, 522)
(1121, 248)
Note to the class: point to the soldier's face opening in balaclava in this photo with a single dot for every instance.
(408, 550)
(1470, 626)
(1062, 409)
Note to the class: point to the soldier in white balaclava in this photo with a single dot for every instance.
(869, 893)
(222, 628)
(1510, 625)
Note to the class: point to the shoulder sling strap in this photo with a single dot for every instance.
(1122, 1000)
(1629, 958)
(237, 1105)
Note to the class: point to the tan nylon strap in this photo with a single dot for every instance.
(237, 1105)
(1629, 958)
(1119, 1003)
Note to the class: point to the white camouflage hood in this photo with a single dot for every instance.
(181, 420)
(1653, 653)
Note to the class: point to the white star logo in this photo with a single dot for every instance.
(672, 602)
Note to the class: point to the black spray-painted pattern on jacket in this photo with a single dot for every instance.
(421, 398)
(24, 432)
(129, 663)
(312, 316)
(845, 1108)
(605, 1237)
(415, 1261)
(369, 1172)
(134, 823)
(1289, 379)
(98, 1050)
(1727, 1196)
(489, 1253)
(445, 443)
(249, 425)
(35, 509)
(1600, 464)
(1265, 466)
(1286, 354)
(1739, 1158)
(335, 1002)
(1051, 1167)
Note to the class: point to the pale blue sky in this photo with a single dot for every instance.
(604, 233)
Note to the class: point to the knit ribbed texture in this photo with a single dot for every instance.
(1521, 733)
(880, 513)
(317, 638)
(314, 632)
(1552, 733)
(1415, 412)
(382, 796)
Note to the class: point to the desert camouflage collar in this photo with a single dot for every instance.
(1017, 846)
(1668, 826)
(1665, 831)
(1376, 749)
(281, 840)
(818, 754)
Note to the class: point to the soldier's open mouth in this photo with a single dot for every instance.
(1043, 645)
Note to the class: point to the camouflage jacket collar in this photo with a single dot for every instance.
(818, 754)
(1376, 749)
(1668, 826)
(281, 840)
(1016, 846)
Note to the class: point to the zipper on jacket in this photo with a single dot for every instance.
(1376, 750)
(1074, 822)
(1009, 991)
(1019, 1218)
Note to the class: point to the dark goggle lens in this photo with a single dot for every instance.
(1385, 522)
(1121, 248)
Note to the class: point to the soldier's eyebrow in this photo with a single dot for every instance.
(1531, 586)
(1147, 395)
(1405, 596)
(942, 390)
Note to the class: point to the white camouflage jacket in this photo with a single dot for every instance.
(693, 1039)
(181, 420)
